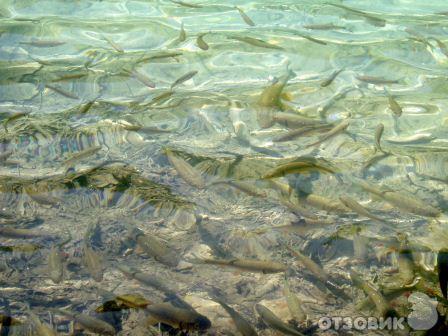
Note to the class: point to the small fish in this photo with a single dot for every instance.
(294, 304)
(90, 323)
(188, 173)
(61, 91)
(383, 308)
(274, 322)
(296, 208)
(159, 55)
(162, 96)
(341, 127)
(301, 165)
(442, 269)
(248, 188)
(71, 75)
(150, 280)
(332, 100)
(293, 120)
(251, 265)
(114, 302)
(331, 78)
(378, 133)
(93, 262)
(153, 247)
(142, 78)
(373, 160)
(310, 265)
(201, 43)
(323, 203)
(323, 26)
(55, 267)
(283, 189)
(25, 248)
(41, 61)
(132, 301)
(13, 117)
(186, 4)
(9, 232)
(81, 155)
(44, 43)
(412, 139)
(242, 325)
(302, 131)
(302, 227)
(144, 129)
(39, 328)
(180, 318)
(400, 200)
(182, 33)
(184, 78)
(378, 22)
(114, 45)
(271, 95)
(266, 151)
(312, 39)
(246, 18)
(359, 209)
(376, 80)
(86, 107)
(421, 39)
(255, 42)
(394, 106)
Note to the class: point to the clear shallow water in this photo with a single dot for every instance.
(88, 115)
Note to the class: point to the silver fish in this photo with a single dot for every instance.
(184, 78)
(246, 18)
(274, 322)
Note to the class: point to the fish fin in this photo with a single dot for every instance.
(176, 301)
(150, 320)
(139, 250)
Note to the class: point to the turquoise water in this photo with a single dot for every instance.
(156, 136)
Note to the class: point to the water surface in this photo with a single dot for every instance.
(89, 117)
